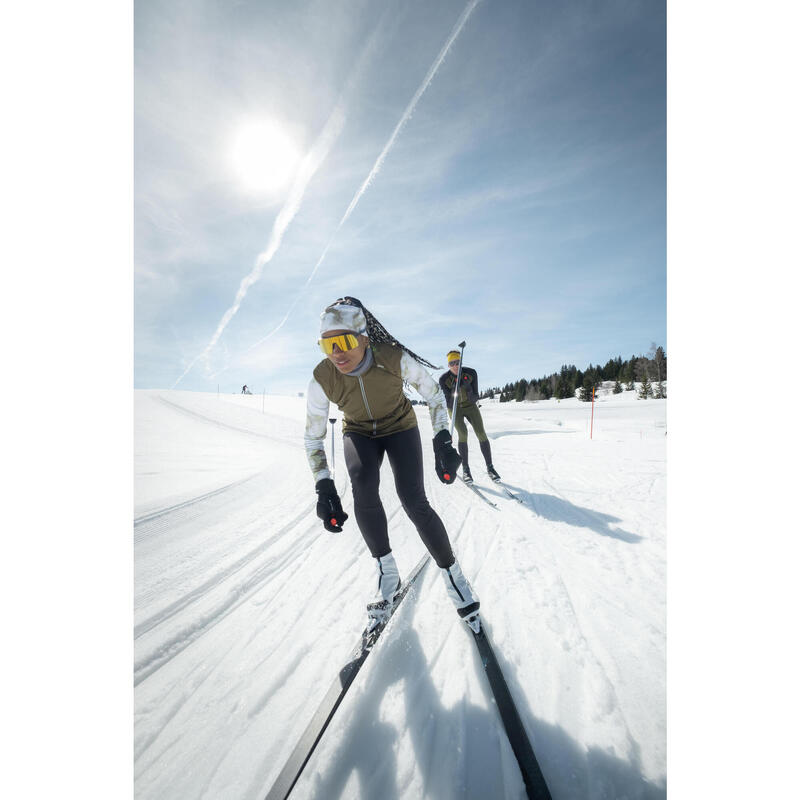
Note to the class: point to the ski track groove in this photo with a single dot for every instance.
(216, 579)
(186, 504)
(277, 682)
(289, 441)
(291, 627)
(210, 778)
(140, 749)
(178, 642)
(175, 644)
(189, 685)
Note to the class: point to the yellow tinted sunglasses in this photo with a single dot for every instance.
(345, 341)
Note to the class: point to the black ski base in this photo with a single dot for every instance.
(535, 785)
(327, 708)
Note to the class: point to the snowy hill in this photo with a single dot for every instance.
(245, 608)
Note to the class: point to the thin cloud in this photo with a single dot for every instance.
(462, 20)
(310, 164)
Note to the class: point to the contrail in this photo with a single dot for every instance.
(465, 15)
(308, 167)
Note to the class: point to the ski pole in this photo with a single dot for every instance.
(462, 345)
(333, 449)
(333, 460)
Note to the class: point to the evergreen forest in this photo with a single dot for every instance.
(649, 370)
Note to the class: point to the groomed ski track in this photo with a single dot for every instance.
(244, 605)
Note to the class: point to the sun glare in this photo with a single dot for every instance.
(264, 157)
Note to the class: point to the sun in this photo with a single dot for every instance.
(263, 156)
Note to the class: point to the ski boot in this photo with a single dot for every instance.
(492, 473)
(388, 586)
(464, 599)
(463, 451)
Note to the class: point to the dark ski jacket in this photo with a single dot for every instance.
(468, 392)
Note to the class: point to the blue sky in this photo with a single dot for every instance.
(516, 194)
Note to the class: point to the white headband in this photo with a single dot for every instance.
(342, 317)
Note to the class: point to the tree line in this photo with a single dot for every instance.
(650, 371)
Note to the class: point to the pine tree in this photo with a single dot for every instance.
(660, 391)
(617, 387)
(646, 389)
(659, 359)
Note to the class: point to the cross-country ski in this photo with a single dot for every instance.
(478, 492)
(535, 784)
(316, 727)
(508, 493)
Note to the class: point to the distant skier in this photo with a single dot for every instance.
(245, 390)
(467, 410)
(363, 374)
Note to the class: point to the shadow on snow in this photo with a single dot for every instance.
(556, 509)
(462, 751)
(501, 434)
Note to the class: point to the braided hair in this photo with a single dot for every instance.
(377, 333)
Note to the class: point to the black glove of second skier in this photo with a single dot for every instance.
(329, 507)
(447, 459)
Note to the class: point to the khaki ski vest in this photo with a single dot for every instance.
(372, 404)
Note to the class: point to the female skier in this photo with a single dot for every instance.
(467, 410)
(363, 374)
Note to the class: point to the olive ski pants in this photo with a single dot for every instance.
(473, 415)
(364, 456)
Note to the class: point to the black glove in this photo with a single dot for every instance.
(447, 459)
(329, 507)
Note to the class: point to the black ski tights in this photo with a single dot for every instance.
(364, 456)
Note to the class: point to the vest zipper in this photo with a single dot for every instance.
(369, 410)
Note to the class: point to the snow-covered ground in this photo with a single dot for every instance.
(245, 608)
